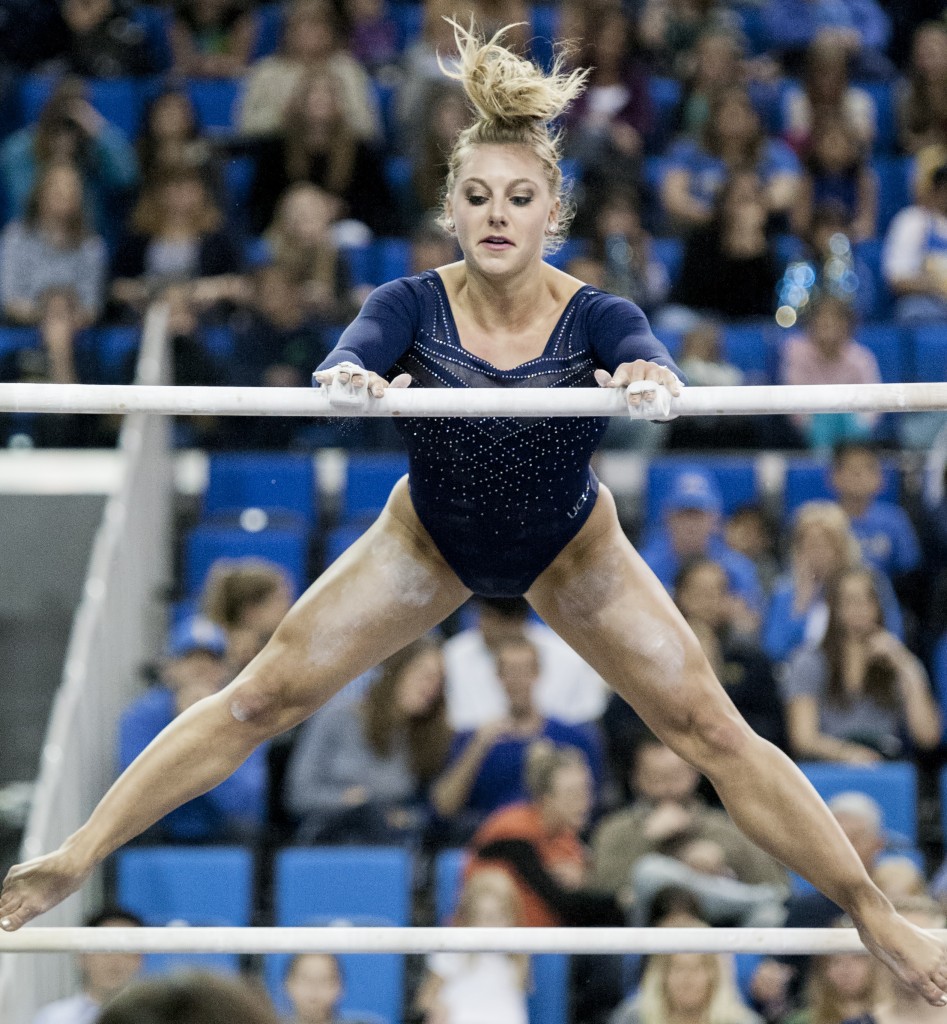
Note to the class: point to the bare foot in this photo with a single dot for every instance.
(32, 888)
(917, 959)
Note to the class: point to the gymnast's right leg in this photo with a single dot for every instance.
(389, 588)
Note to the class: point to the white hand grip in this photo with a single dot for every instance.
(655, 401)
(344, 395)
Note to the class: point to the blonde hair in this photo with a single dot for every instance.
(830, 517)
(514, 101)
(543, 760)
(488, 882)
(723, 1007)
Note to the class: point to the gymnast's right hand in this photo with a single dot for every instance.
(351, 385)
(37, 885)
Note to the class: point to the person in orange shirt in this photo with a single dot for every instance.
(538, 843)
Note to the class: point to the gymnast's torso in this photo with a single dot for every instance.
(500, 497)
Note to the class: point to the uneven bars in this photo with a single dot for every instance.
(339, 939)
(227, 401)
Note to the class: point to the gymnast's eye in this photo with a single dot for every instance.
(476, 200)
(521, 200)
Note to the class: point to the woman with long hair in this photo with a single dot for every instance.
(498, 508)
(922, 100)
(861, 694)
(359, 769)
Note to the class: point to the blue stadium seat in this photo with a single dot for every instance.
(238, 174)
(392, 258)
(670, 253)
(269, 30)
(204, 886)
(118, 100)
(215, 102)
(286, 546)
(115, 346)
(735, 476)
(13, 339)
(409, 17)
(352, 884)
(544, 22)
(808, 480)
(868, 253)
(155, 21)
(276, 482)
(217, 341)
(892, 784)
(930, 352)
(886, 136)
(749, 348)
(360, 260)
(397, 171)
(369, 479)
(386, 96)
(894, 187)
(888, 344)
(448, 879)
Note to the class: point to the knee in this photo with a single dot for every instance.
(720, 737)
(268, 695)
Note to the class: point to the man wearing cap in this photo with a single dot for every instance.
(194, 667)
(691, 514)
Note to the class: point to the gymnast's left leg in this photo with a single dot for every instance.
(603, 600)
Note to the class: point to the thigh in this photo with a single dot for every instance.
(604, 601)
(389, 588)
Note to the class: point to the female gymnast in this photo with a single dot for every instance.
(497, 506)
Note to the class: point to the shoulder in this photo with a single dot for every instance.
(808, 666)
(404, 295)
(619, 826)
(520, 820)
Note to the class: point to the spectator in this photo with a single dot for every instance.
(301, 243)
(729, 266)
(211, 38)
(750, 532)
(860, 695)
(827, 95)
(311, 41)
(884, 530)
(102, 975)
(727, 635)
(837, 175)
(53, 251)
(841, 987)
(248, 598)
(461, 987)
(373, 35)
(624, 248)
(190, 999)
(170, 139)
(320, 144)
(607, 125)
(359, 768)
(314, 984)
(103, 41)
(485, 769)
(922, 107)
(537, 844)
(822, 545)
(448, 115)
(903, 1005)
(732, 139)
(177, 234)
(716, 65)
(668, 820)
(431, 247)
(671, 29)
(195, 666)
(697, 987)
(898, 877)
(691, 529)
(860, 26)
(914, 259)
(827, 353)
(70, 129)
(567, 690)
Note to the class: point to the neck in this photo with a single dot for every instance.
(854, 508)
(501, 304)
(686, 1017)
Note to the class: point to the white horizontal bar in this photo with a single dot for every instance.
(428, 940)
(211, 401)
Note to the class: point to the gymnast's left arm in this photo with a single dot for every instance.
(625, 348)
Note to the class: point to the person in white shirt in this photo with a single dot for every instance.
(568, 690)
(103, 975)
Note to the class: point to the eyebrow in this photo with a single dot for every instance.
(512, 184)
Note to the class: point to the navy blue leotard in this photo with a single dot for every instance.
(500, 497)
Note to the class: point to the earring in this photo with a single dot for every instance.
(449, 224)
(551, 229)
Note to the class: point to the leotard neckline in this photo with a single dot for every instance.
(455, 333)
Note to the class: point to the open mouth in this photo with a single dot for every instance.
(497, 242)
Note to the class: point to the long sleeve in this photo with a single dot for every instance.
(382, 332)
(311, 783)
(622, 334)
(14, 269)
(783, 630)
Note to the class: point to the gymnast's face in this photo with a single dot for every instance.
(502, 209)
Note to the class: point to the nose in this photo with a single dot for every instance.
(497, 215)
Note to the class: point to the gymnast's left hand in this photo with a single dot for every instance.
(644, 402)
(37, 885)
